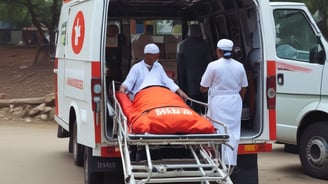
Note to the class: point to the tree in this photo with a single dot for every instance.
(321, 8)
(44, 20)
(13, 13)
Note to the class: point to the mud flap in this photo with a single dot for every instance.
(247, 170)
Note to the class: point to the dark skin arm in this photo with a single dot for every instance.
(203, 89)
(242, 92)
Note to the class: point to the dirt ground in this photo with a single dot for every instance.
(19, 78)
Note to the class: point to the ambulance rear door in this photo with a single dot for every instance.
(82, 64)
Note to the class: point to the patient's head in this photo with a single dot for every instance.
(151, 52)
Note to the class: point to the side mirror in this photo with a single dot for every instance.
(317, 56)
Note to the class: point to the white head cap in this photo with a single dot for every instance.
(151, 49)
(225, 44)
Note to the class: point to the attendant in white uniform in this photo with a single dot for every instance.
(225, 81)
(149, 72)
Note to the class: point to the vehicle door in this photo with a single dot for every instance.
(299, 71)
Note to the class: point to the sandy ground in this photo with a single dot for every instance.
(19, 78)
(32, 154)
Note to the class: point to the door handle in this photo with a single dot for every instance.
(280, 79)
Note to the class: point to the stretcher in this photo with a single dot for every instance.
(201, 164)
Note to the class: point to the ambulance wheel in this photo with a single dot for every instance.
(91, 177)
(314, 150)
(77, 149)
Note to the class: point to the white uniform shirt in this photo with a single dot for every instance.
(224, 77)
(140, 77)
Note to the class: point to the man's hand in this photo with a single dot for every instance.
(122, 89)
(182, 94)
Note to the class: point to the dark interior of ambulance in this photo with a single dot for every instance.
(132, 21)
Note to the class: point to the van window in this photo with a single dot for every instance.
(162, 32)
(294, 35)
(229, 26)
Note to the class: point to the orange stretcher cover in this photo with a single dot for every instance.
(158, 110)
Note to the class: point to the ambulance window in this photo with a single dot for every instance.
(294, 35)
(229, 26)
(165, 33)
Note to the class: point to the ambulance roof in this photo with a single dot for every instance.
(173, 8)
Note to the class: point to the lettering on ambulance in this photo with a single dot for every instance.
(78, 31)
(75, 83)
(288, 67)
(63, 33)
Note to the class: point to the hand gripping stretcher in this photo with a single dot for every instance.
(204, 164)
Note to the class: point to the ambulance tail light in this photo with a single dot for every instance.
(96, 93)
(254, 148)
(271, 92)
(110, 151)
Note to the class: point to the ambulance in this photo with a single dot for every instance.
(302, 106)
(99, 40)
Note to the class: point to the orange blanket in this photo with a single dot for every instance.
(157, 110)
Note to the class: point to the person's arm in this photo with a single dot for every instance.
(122, 89)
(243, 91)
(206, 80)
(244, 84)
(203, 89)
(131, 80)
(182, 94)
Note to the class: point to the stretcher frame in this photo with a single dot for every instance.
(204, 166)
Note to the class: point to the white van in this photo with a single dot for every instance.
(302, 106)
(99, 40)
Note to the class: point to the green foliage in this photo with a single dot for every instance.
(17, 11)
(14, 13)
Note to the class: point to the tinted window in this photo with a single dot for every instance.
(294, 35)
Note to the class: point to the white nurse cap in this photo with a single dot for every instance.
(225, 44)
(151, 49)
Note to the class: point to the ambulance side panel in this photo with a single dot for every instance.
(302, 118)
(78, 49)
(296, 94)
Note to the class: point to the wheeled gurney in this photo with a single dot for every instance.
(202, 165)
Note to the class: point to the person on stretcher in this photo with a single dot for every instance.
(148, 72)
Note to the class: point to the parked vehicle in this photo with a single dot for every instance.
(99, 40)
(300, 56)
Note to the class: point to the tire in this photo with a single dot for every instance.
(314, 150)
(77, 149)
(70, 145)
(91, 177)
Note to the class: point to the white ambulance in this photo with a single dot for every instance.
(99, 40)
(302, 106)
